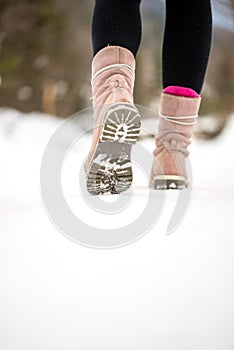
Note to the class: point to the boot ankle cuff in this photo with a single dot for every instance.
(111, 55)
(172, 105)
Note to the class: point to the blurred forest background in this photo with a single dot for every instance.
(46, 54)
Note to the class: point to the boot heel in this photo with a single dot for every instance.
(169, 182)
(111, 169)
(122, 123)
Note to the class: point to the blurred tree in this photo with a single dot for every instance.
(28, 29)
(42, 46)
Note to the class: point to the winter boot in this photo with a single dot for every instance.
(177, 117)
(116, 121)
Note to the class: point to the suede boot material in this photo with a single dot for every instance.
(178, 116)
(113, 76)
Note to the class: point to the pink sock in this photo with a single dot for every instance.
(180, 91)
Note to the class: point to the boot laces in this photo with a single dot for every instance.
(177, 120)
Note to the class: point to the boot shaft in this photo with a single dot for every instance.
(178, 115)
(113, 76)
(179, 112)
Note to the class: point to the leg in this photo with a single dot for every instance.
(187, 39)
(186, 49)
(116, 22)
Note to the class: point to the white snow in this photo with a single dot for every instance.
(165, 292)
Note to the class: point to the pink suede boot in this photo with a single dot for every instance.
(177, 117)
(116, 121)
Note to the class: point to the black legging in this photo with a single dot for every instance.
(187, 36)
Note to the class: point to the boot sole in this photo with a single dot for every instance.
(110, 170)
(169, 182)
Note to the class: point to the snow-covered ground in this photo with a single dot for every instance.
(163, 292)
